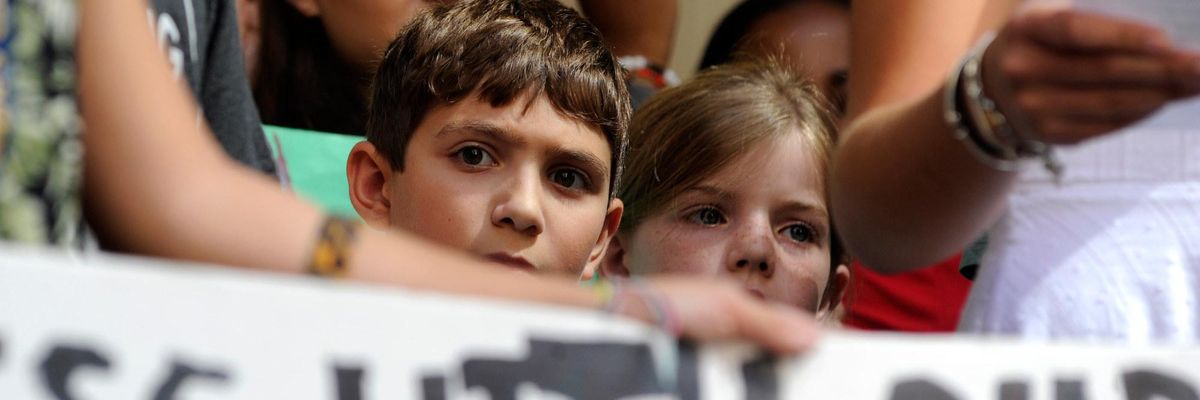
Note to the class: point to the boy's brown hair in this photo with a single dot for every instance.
(499, 50)
(687, 133)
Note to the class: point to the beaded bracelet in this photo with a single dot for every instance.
(330, 255)
(640, 67)
(616, 292)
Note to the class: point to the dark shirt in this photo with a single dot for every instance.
(201, 40)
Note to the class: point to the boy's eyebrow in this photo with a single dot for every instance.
(482, 128)
(589, 162)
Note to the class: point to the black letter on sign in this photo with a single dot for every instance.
(1016, 390)
(434, 387)
(1146, 385)
(759, 377)
(62, 361)
(1068, 390)
(581, 371)
(349, 382)
(181, 372)
(919, 389)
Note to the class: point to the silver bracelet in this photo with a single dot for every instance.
(984, 129)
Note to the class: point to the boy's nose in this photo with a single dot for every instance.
(519, 208)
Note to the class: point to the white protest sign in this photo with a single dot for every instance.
(129, 328)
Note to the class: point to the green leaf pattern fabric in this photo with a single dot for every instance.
(41, 155)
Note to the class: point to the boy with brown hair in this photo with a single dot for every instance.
(497, 127)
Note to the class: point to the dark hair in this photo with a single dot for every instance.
(499, 50)
(723, 44)
(301, 81)
(687, 133)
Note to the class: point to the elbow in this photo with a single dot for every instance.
(880, 235)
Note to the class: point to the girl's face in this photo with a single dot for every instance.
(762, 220)
(360, 30)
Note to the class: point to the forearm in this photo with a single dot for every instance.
(158, 184)
(644, 27)
(908, 193)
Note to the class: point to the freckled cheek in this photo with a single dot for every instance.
(798, 285)
(683, 251)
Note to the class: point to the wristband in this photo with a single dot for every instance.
(330, 255)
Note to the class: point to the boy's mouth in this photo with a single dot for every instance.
(512, 261)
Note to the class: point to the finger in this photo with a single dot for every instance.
(1087, 32)
(1094, 104)
(782, 330)
(1185, 75)
(1033, 64)
(1073, 131)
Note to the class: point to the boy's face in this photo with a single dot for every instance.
(520, 184)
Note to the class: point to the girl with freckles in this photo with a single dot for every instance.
(726, 178)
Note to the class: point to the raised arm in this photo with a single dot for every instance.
(644, 27)
(906, 192)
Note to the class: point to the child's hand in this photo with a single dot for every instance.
(714, 310)
(1070, 76)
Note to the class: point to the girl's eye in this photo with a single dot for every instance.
(569, 178)
(475, 156)
(801, 233)
(707, 216)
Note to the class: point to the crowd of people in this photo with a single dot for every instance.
(803, 179)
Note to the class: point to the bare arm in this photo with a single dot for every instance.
(644, 27)
(158, 184)
(896, 145)
(907, 193)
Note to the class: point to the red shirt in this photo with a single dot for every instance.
(929, 299)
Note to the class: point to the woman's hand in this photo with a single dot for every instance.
(1068, 76)
(710, 310)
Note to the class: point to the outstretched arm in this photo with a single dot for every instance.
(906, 192)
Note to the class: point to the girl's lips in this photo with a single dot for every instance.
(756, 293)
(511, 261)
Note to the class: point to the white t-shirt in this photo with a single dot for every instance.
(1113, 252)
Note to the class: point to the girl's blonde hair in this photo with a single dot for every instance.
(686, 134)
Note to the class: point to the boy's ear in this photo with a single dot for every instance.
(613, 264)
(602, 250)
(368, 174)
(838, 283)
(307, 8)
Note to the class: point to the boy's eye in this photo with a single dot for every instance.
(707, 216)
(475, 156)
(801, 233)
(569, 179)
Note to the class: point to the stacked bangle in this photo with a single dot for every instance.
(982, 127)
